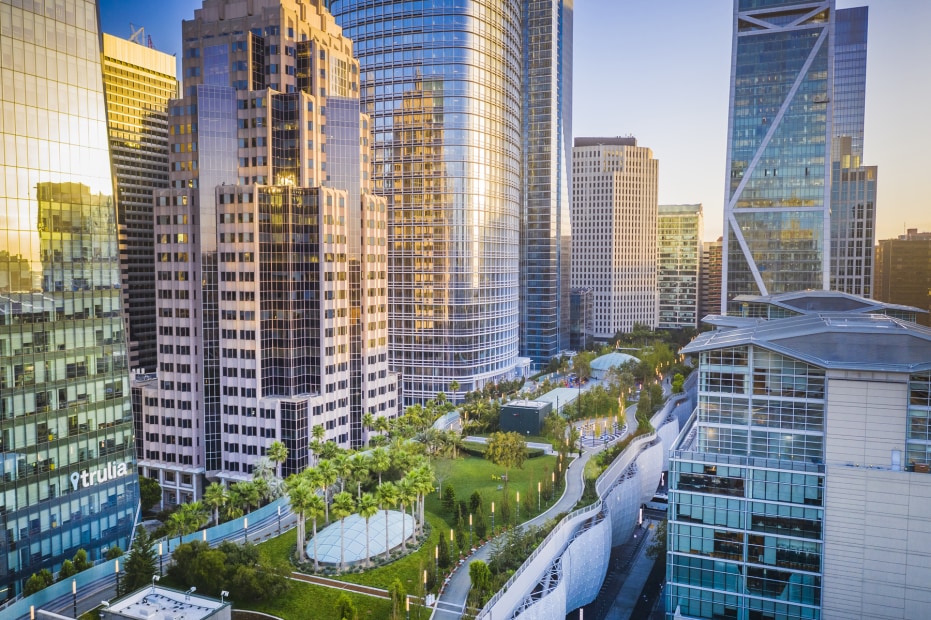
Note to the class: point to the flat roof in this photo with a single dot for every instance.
(826, 301)
(563, 396)
(833, 340)
(158, 603)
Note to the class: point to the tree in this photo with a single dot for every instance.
(475, 501)
(113, 553)
(406, 496)
(387, 495)
(80, 560)
(479, 575)
(215, 497)
(368, 508)
(140, 564)
(422, 478)
(343, 466)
(345, 609)
(150, 493)
(506, 450)
(657, 548)
(38, 581)
(278, 454)
(67, 570)
(315, 509)
(299, 494)
(442, 553)
(449, 498)
(248, 493)
(678, 381)
(481, 525)
(359, 468)
(326, 477)
(343, 506)
(379, 461)
(398, 595)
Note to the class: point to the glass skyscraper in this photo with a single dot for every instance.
(442, 83)
(66, 431)
(546, 133)
(777, 199)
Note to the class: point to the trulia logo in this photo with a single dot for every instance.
(87, 478)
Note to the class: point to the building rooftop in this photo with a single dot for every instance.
(560, 396)
(838, 340)
(826, 301)
(158, 603)
(616, 141)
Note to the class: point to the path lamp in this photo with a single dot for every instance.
(279, 520)
(407, 605)
(539, 486)
(160, 559)
(117, 570)
(518, 508)
(436, 556)
(470, 530)
(245, 530)
(492, 518)
(74, 595)
(553, 484)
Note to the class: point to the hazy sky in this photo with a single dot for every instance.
(658, 70)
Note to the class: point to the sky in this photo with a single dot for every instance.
(659, 71)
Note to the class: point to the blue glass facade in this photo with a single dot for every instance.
(66, 429)
(777, 208)
(546, 147)
(441, 82)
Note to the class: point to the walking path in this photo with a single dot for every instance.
(452, 600)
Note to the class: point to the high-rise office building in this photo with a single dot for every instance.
(138, 82)
(903, 271)
(799, 210)
(800, 491)
(442, 82)
(581, 318)
(710, 287)
(546, 149)
(777, 197)
(614, 213)
(66, 450)
(853, 185)
(679, 248)
(271, 251)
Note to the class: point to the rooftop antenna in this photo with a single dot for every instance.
(138, 34)
(149, 39)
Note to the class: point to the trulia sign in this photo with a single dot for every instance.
(88, 478)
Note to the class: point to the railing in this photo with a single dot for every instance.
(58, 596)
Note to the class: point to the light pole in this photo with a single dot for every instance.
(470, 530)
(518, 508)
(159, 559)
(436, 557)
(492, 519)
(407, 605)
(279, 520)
(117, 570)
(553, 484)
(245, 530)
(539, 487)
(74, 595)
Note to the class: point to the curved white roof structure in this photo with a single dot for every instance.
(328, 547)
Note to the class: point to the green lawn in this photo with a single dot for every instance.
(466, 475)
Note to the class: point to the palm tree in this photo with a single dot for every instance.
(406, 496)
(195, 516)
(278, 454)
(344, 468)
(316, 444)
(215, 496)
(387, 496)
(368, 508)
(234, 504)
(300, 493)
(368, 424)
(379, 461)
(248, 492)
(423, 484)
(343, 505)
(359, 465)
(326, 477)
(381, 424)
(315, 509)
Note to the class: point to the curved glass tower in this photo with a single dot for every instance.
(66, 429)
(441, 81)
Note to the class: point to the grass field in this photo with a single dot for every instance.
(466, 475)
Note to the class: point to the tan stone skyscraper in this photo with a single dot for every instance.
(271, 255)
(138, 82)
(614, 223)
